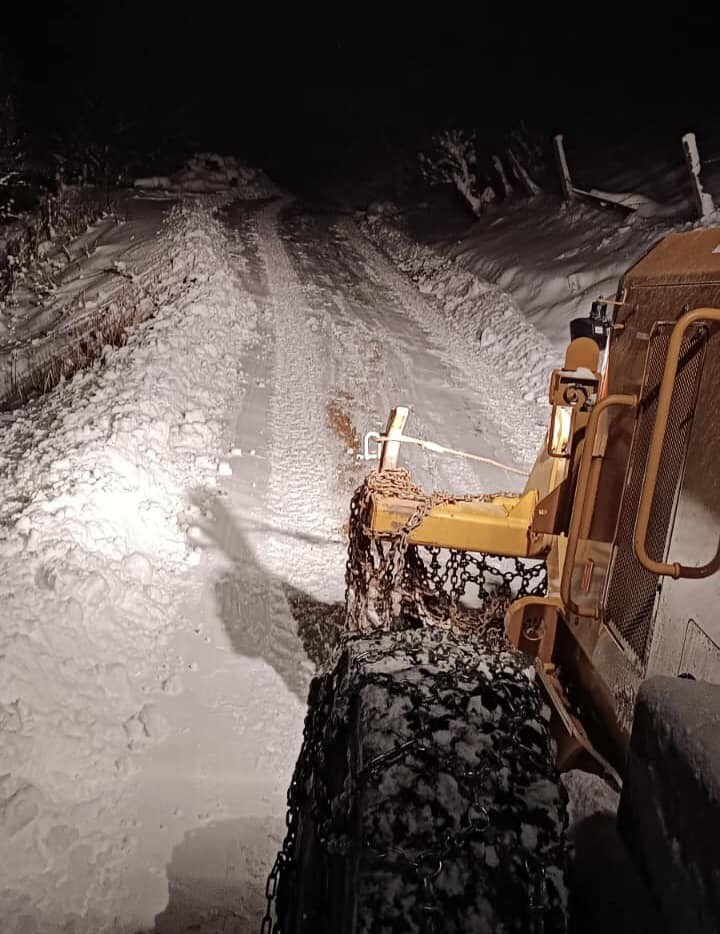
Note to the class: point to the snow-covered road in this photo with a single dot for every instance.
(172, 552)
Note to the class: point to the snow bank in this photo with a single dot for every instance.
(480, 318)
(57, 219)
(94, 483)
(76, 300)
(555, 259)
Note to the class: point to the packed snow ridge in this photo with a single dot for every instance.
(479, 318)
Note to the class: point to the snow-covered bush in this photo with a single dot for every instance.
(452, 160)
(530, 148)
(208, 173)
(12, 158)
(90, 153)
(377, 210)
(481, 174)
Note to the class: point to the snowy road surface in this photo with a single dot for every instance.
(172, 547)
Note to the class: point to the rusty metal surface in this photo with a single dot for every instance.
(679, 274)
(693, 255)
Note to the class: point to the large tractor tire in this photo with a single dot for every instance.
(425, 797)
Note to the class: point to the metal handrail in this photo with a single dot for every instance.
(671, 569)
(586, 503)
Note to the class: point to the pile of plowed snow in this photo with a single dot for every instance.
(208, 173)
(94, 563)
(479, 318)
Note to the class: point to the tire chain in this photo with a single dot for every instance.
(388, 581)
(388, 587)
(285, 862)
(334, 817)
(519, 702)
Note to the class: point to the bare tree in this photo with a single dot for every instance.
(11, 155)
(453, 160)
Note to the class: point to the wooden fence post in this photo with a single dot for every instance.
(522, 176)
(565, 180)
(704, 203)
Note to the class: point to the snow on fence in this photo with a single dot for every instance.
(632, 201)
(99, 295)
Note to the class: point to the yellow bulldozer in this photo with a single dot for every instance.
(494, 641)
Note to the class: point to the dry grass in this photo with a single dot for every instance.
(78, 351)
(110, 326)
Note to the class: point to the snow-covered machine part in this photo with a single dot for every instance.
(625, 476)
(412, 807)
(599, 574)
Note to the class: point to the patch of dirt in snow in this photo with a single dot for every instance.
(340, 421)
(341, 414)
(94, 563)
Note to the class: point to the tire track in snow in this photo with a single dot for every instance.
(384, 360)
(300, 496)
(237, 725)
(393, 357)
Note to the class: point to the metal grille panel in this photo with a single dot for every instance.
(700, 654)
(631, 592)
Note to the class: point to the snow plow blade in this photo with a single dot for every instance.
(498, 525)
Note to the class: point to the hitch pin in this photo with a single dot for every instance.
(369, 437)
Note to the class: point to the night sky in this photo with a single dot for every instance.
(308, 85)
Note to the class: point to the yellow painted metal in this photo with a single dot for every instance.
(499, 525)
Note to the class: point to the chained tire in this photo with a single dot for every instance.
(425, 797)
